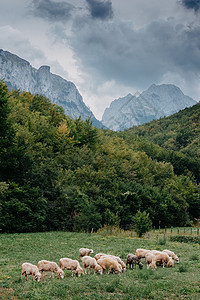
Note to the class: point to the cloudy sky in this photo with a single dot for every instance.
(108, 48)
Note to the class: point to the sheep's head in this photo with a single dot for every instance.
(79, 272)
(176, 259)
(60, 274)
(38, 276)
(140, 265)
(170, 263)
(99, 269)
(91, 251)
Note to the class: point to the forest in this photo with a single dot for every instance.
(62, 174)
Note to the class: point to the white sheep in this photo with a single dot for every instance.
(117, 258)
(99, 255)
(172, 254)
(71, 264)
(140, 252)
(29, 269)
(111, 263)
(85, 252)
(150, 260)
(50, 266)
(90, 262)
(164, 258)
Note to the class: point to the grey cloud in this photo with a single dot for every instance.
(191, 4)
(52, 11)
(117, 51)
(100, 9)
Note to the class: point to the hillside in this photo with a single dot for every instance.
(179, 132)
(59, 173)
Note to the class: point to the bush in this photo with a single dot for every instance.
(142, 223)
(185, 239)
(162, 241)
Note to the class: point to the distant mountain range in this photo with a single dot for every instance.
(19, 74)
(156, 102)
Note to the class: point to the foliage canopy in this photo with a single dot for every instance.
(62, 174)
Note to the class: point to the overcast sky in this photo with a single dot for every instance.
(108, 48)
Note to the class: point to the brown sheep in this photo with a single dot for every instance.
(132, 260)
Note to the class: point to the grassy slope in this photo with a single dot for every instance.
(141, 284)
(180, 132)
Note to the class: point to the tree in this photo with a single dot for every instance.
(142, 223)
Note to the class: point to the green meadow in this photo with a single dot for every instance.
(180, 282)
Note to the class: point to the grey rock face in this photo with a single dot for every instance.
(156, 102)
(19, 74)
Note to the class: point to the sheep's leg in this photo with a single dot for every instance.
(163, 264)
(72, 273)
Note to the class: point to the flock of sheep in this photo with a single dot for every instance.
(100, 263)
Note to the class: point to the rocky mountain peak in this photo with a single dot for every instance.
(19, 74)
(156, 102)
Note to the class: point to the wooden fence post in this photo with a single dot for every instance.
(171, 229)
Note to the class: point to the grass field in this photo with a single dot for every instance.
(180, 282)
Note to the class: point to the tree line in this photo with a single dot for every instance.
(62, 174)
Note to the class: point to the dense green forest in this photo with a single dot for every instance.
(62, 174)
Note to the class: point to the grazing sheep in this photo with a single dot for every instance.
(172, 254)
(155, 251)
(85, 252)
(132, 260)
(71, 264)
(99, 255)
(150, 260)
(140, 253)
(29, 269)
(90, 262)
(164, 258)
(111, 263)
(50, 266)
(117, 258)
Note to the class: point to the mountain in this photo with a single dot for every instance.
(156, 102)
(19, 74)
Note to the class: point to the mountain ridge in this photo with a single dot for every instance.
(19, 74)
(156, 102)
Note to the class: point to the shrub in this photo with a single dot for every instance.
(142, 223)
(162, 241)
(185, 239)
